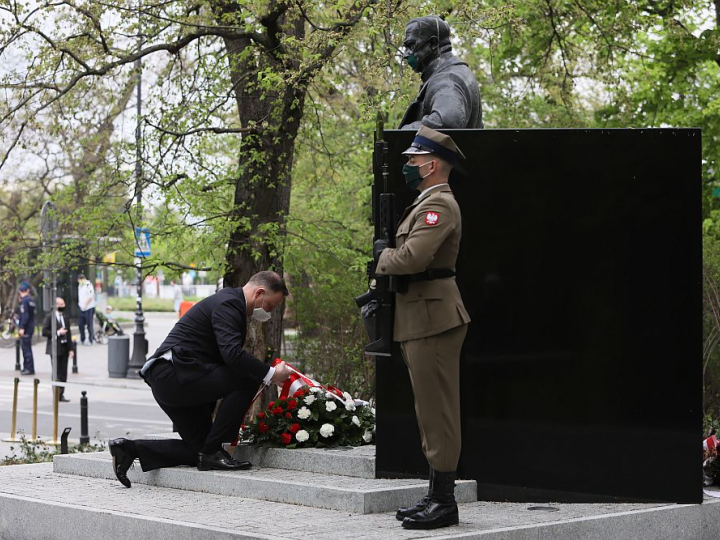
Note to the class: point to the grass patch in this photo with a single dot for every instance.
(128, 303)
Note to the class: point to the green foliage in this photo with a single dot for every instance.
(222, 110)
(40, 452)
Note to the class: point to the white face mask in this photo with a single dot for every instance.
(260, 315)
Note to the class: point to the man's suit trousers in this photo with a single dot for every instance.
(190, 407)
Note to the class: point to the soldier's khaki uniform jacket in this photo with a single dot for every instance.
(428, 236)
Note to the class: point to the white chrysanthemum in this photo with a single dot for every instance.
(304, 413)
(302, 435)
(347, 397)
(326, 430)
(315, 389)
(367, 437)
(309, 399)
(356, 421)
(349, 406)
(330, 406)
(372, 410)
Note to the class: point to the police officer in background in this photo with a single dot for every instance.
(430, 318)
(449, 96)
(27, 328)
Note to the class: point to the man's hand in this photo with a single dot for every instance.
(378, 246)
(282, 372)
(62, 331)
(21, 332)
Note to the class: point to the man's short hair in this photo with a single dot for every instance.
(81, 276)
(270, 281)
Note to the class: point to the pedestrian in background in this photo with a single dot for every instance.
(86, 303)
(177, 297)
(26, 328)
(64, 343)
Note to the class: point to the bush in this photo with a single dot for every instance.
(41, 452)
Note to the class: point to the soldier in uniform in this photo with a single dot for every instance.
(27, 328)
(449, 96)
(430, 318)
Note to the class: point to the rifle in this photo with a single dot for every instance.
(378, 303)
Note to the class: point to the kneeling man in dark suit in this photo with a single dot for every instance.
(201, 361)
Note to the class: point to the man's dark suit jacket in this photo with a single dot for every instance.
(210, 334)
(62, 348)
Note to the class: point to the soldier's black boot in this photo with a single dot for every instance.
(442, 510)
(402, 513)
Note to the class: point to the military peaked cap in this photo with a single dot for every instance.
(429, 141)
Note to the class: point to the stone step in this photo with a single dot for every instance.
(357, 461)
(329, 491)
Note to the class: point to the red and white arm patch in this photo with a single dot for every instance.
(432, 218)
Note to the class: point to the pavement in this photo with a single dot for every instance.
(33, 496)
(92, 376)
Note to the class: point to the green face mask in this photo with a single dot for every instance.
(412, 174)
(413, 62)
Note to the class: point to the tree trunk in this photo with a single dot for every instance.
(262, 190)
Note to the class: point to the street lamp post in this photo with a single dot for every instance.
(140, 344)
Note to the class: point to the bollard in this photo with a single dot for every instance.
(13, 421)
(56, 403)
(34, 413)
(84, 438)
(63, 440)
(17, 355)
(75, 350)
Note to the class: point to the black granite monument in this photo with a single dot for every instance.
(581, 267)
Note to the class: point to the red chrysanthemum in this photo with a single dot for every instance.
(288, 415)
(292, 404)
(271, 405)
(277, 410)
(299, 393)
(262, 428)
(286, 438)
(261, 415)
(295, 428)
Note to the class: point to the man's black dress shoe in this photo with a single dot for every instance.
(27, 372)
(64, 399)
(123, 457)
(220, 461)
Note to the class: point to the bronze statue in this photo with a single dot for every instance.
(449, 96)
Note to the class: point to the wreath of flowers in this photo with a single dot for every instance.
(313, 417)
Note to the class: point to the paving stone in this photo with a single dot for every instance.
(36, 504)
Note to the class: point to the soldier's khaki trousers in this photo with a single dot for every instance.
(434, 366)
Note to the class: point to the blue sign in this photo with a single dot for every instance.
(142, 242)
